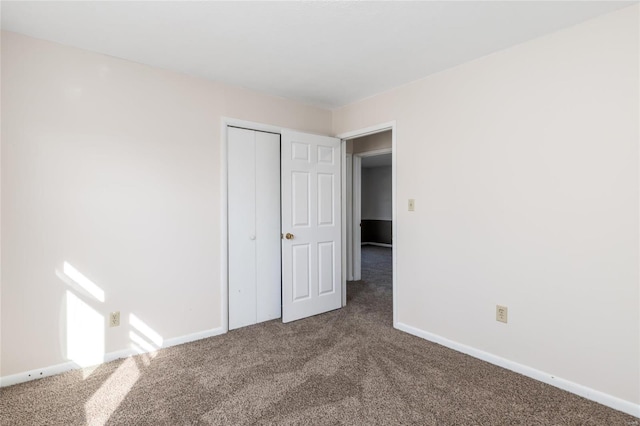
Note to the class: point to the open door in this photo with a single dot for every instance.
(311, 225)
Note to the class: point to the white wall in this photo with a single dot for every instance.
(376, 193)
(524, 167)
(114, 168)
(523, 164)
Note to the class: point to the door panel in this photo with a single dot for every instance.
(326, 255)
(325, 199)
(268, 263)
(325, 155)
(300, 151)
(242, 248)
(301, 271)
(300, 195)
(311, 212)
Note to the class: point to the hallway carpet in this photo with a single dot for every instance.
(348, 366)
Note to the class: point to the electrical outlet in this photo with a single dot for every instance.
(412, 204)
(114, 319)
(501, 313)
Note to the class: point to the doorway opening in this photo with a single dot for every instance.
(376, 224)
(370, 210)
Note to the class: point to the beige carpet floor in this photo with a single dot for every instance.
(348, 366)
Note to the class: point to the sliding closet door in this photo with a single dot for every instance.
(268, 266)
(242, 211)
(254, 227)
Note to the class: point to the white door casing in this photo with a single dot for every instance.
(365, 132)
(349, 216)
(357, 217)
(311, 214)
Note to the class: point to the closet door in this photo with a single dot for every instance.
(241, 214)
(254, 227)
(268, 266)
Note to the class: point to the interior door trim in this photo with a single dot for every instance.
(390, 125)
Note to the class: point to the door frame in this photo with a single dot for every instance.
(349, 216)
(391, 125)
(225, 122)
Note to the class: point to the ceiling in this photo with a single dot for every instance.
(327, 54)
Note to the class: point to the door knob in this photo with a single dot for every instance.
(289, 236)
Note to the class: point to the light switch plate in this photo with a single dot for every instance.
(412, 204)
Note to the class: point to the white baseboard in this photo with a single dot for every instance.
(175, 341)
(583, 391)
(108, 357)
(38, 373)
(377, 244)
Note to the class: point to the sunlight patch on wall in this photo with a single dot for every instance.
(144, 338)
(85, 332)
(104, 402)
(154, 337)
(85, 283)
(141, 345)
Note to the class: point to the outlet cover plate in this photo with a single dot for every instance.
(114, 319)
(502, 313)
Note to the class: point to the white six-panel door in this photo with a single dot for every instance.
(311, 224)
